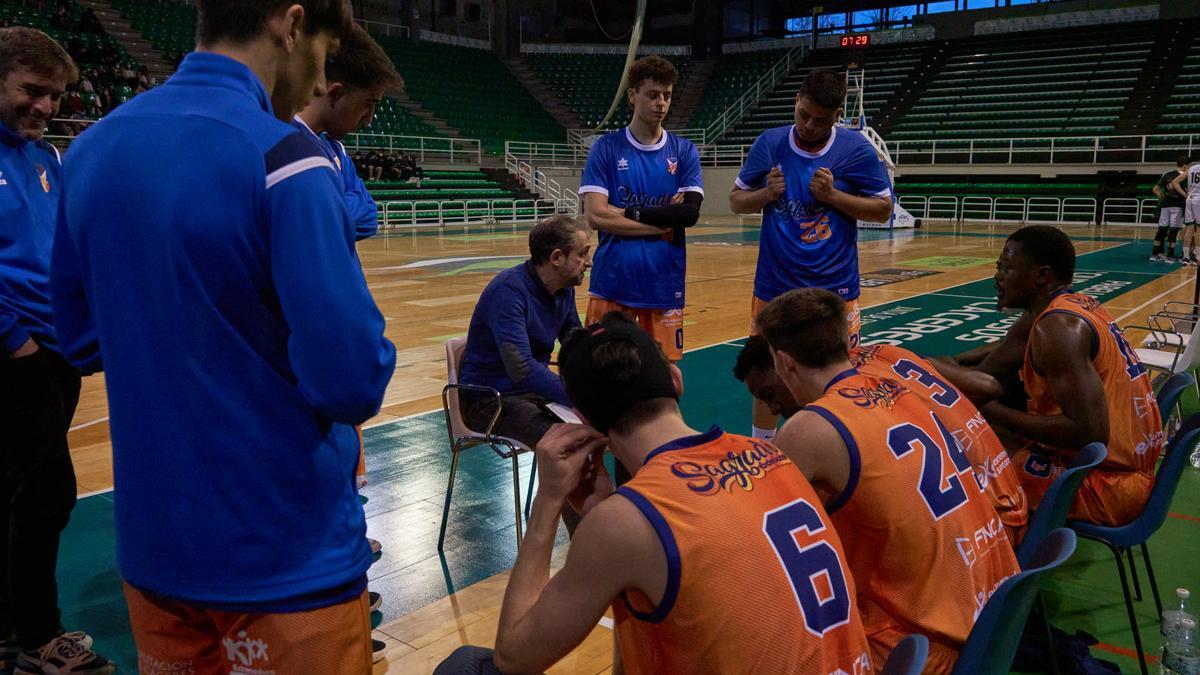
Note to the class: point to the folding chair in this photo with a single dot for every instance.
(909, 656)
(462, 437)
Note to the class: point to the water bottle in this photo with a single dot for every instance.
(1173, 618)
(1182, 655)
(1195, 458)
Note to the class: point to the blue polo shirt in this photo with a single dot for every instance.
(30, 187)
(512, 335)
(206, 259)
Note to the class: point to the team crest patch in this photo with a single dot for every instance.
(672, 165)
(41, 171)
(622, 164)
(337, 160)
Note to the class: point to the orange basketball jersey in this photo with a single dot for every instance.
(1116, 491)
(924, 543)
(757, 578)
(993, 468)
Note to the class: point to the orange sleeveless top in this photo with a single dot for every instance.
(993, 468)
(757, 578)
(924, 543)
(1123, 482)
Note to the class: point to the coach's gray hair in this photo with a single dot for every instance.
(554, 233)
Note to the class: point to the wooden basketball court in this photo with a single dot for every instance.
(427, 282)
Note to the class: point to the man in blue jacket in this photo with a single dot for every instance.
(355, 82)
(519, 316)
(205, 259)
(38, 388)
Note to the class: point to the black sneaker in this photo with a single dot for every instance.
(378, 649)
(375, 600)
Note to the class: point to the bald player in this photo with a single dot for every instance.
(670, 549)
(923, 542)
(1084, 381)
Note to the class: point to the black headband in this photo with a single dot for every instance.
(596, 391)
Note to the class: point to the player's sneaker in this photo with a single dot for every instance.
(378, 649)
(1156, 258)
(375, 600)
(63, 656)
(376, 547)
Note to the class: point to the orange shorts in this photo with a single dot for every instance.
(173, 638)
(664, 325)
(853, 318)
(362, 454)
(1111, 498)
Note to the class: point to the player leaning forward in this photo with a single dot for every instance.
(641, 187)
(812, 182)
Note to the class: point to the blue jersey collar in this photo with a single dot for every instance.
(841, 376)
(805, 153)
(209, 69)
(714, 432)
(642, 146)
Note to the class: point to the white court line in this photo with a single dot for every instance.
(93, 494)
(1156, 298)
(88, 424)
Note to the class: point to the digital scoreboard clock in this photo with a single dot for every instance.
(863, 40)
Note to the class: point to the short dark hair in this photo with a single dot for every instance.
(808, 324)
(361, 63)
(755, 355)
(1048, 246)
(1183, 160)
(22, 47)
(655, 68)
(240, 21)
(554, 233)
(826, 88)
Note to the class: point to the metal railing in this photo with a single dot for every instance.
(415, 214)
(423, 148)
(763, 86)
(388, 29)
(1152, 149)
(553, 154)
(537, 181)
(1049, 210)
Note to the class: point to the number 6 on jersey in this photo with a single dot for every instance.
(815, 570)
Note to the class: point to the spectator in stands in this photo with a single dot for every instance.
(374, 166)
(38, 388)
(355, 82)
(210, 583)
(85, 82)
(513, 329)
(409, 167)
(1170, 216)
(145, 78)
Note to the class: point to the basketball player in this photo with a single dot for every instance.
(38, 387)
(1170, 216)
(642, 187)
(1188, 183)
(993, 469)
(924, 544)
(707, 570)
(356, 81)
(205, 253)
(1084, 380)
(812, 182)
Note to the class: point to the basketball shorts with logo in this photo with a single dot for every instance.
(1170, 216)
(175, 638)
(1111, 498)
(853, 318)
(664, 325)
(1191, 210)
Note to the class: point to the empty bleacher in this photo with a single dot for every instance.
(1181, 114)
(473, 91)
(451, 196)
(169, 26)
(887, 68)
(587, 83)
(15, 13)
(1030, 85)
(734, 74)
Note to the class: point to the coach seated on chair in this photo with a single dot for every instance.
(519, 316)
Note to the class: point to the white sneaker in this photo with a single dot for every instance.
(1156, 258)
(63, 656)
(378, 649)
(375, 600)
(376, 547)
